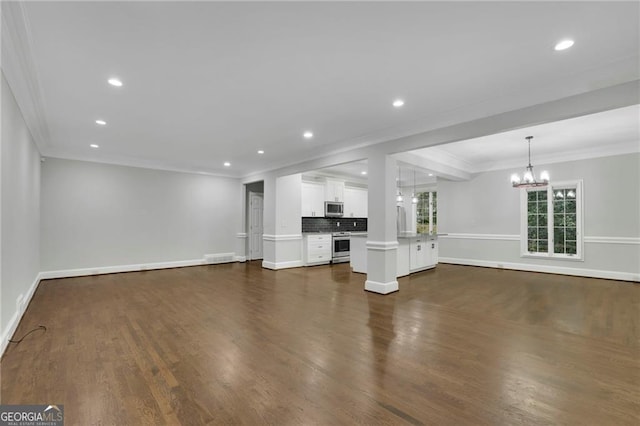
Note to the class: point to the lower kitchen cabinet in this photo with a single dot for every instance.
(317, 249)
(417, 253)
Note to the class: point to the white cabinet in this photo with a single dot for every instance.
(312, 199)
(317, 249)
(355, 202)
(423, 253)
(334, 190)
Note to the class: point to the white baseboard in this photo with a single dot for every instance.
(241, 258)
(561, 270)
(382, 288)
(17, 316)
(137, 267)
(282, 265)
(68, 273)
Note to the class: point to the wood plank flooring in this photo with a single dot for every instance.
(238, 344)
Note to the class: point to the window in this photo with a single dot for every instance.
(427, 213)
(552, 221)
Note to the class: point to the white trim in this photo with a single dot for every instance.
(282, 265)
(240, 258)
(561, 270)
(612, 240)
(600, 151)
(67, 273)
(8, 332)
(20, 71)
(382, 245)
(501, 237)
(381, 288)
(509, 237)
(289, 237)
(241, 235)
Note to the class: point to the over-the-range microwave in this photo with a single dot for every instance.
(333, 209)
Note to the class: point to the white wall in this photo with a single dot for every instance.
(20, 217)
(97, 215)
(482, 217)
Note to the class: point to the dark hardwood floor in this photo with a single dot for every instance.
(238, 344)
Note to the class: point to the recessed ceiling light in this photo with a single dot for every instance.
(260, 151)
(564, 44)
(101, 122)
(115, 82)
(307, 135)
(398, 103)
(93, 145)
(227, 164)
(364, 172)
(430, 174)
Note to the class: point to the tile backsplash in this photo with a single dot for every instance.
(334, 224)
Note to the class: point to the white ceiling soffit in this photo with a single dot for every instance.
(209, 82)
(607, 133)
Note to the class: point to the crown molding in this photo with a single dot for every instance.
(444, 159)
(604, 150)
(18, 67)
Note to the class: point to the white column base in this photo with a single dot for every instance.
(382, 265)
(381, 288)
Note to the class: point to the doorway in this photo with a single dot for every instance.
(256, 208)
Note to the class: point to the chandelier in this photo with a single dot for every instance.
(528, 179)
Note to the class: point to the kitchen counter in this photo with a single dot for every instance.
(416, 235)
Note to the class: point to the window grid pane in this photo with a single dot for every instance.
(564, 221)
(537, 233)
(422, 213)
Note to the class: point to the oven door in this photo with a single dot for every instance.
(341, 247)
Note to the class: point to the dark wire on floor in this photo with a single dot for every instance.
(35, 329)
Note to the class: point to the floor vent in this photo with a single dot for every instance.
(218, 258)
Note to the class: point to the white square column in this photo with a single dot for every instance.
(282, 237)
(382, 243)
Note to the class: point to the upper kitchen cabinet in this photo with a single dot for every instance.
(355, 202)
(334, 190)
(312, 199)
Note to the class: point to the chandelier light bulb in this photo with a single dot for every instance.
(399, 198)
(528, 176)
(544, 176)
(515, 179)
(414, 199)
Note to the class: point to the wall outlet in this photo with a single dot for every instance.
(338, 224)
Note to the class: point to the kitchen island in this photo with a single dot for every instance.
(416, 252)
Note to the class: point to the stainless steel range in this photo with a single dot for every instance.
(341, 247)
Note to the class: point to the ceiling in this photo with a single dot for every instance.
(209, 82)
(607, 133)
(611, 132)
